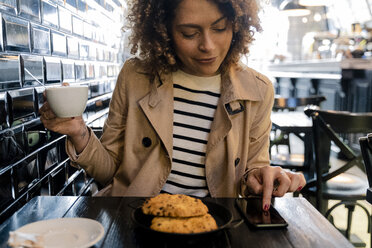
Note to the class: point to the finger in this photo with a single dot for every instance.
(295, 184)
(284, 182)
(65, 84)
(254, 184)
(44, 107)
(295, 181)
(298, 181)
(57, 124)
(302, 181)
(266, 218)
(268, 181)
(48, 115)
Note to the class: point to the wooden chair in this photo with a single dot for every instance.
(281, 137)
(366, 149)
(331, 183)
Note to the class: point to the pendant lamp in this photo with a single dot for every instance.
(313, 2)
(292, 8)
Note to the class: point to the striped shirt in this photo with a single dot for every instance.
(195, 103)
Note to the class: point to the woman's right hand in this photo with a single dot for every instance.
(74, 127)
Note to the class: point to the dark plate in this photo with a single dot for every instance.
(221, 214)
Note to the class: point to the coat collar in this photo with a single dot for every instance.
(239, 83)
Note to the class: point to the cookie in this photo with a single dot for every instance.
(204, 223)
(174, 206)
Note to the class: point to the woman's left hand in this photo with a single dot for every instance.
(271, 181)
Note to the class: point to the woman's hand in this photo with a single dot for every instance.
(271, 181)
(74, 127)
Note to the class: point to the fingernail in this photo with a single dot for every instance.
(266, 207)
(299, 188)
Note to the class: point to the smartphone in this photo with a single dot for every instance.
(251, 209)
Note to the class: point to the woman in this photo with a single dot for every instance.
(186, 117)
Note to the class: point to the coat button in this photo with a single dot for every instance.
(237, 160)
(146, 142)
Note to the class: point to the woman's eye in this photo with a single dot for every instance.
(219, 29)
(189, 35)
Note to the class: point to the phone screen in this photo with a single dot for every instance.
(251, 208)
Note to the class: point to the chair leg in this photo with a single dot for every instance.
(350, 211)
(350, 205)
(280, 138)
(287, 143)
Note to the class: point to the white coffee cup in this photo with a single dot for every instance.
(67, 101)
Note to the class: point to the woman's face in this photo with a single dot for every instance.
(202, 36)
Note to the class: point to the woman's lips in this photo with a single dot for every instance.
(206, 60)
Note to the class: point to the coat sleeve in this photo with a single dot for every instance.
(258, 154)
(101, 158)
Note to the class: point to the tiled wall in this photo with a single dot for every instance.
(75, 41)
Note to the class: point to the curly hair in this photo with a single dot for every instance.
(150, 24)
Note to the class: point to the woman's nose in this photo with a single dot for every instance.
(206, 43)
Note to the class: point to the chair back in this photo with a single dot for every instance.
(291, 103)
(327, 128)
(366, 149)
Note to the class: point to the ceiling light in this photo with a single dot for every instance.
(292, 8)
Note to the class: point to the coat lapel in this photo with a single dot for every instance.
(236, 85)
(158, 108)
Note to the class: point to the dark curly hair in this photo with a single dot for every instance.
(150, 24)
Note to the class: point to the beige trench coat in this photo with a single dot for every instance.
(133, 157)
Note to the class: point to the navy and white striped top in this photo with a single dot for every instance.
(195, 103)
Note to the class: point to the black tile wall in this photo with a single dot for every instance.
(49, 13)
(68, 70)
(29, 9)
(51, 41)
(25, 173)
(33, 68)
(80, 70)
(8, 6)
(3, 112)
(71, 3)
(100, 54)
(16, 34)
(84, 51)
(53, 70)
(21, 106)
(65, 19)
(92, 52)
(39, 99)
(40, 40)
(9, 72)
(1, 33)
(51, 160)
(81, 6)
(58, 179)
(5, 190)
(89, 69)
(58, 43)
(77, 26)
(72, 47)
(88, 30)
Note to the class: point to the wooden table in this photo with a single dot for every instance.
(298, 123)
(306, 226)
